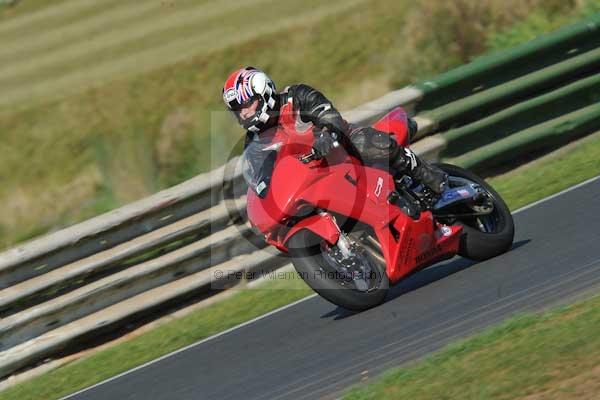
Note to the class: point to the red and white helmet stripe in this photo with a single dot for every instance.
(247, 84)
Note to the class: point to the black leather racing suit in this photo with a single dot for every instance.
(373, 147)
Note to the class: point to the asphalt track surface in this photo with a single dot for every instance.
(313, 349)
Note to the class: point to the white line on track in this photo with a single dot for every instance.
(289, 305)
(557, 194)
(193, 345)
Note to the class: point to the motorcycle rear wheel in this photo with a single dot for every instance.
(310, 258)
(487, 236)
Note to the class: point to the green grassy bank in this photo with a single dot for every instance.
(552, 356)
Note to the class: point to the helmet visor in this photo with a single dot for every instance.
(234, 105)
(248, 110)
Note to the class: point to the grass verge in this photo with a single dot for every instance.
(566, 167)
(549, 356)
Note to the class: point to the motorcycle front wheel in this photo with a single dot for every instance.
(357, 282)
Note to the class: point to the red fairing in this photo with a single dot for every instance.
(396, 123)
(283, 197)
(361, 193)
(420, 243)
(322, 225)
(342, 186)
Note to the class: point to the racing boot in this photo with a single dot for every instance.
(406, 161)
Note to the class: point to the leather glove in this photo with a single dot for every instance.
(333, 122)
(323, 143)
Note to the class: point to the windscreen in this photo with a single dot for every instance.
(258, 161)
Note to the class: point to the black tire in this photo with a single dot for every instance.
(307, 257)
(476, 244)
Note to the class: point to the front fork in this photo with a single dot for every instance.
(342, 243)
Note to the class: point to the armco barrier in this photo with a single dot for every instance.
(200, 255)
(548, 135)
(105, 272)
(472, 107)
(523, 115)
(40, 288)
(107, 230)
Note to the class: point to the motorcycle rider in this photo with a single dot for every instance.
(250, 94)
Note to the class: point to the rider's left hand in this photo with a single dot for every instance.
(323, 143)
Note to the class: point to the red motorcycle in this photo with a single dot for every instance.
(352, 230)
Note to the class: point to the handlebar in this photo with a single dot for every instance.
(313, 155)
(308, 157)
